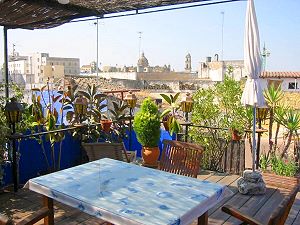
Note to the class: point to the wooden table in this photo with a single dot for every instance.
(123, 193)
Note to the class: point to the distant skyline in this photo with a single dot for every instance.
(167, 37)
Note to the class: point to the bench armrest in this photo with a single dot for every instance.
(239, 215)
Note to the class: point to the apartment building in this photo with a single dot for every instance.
(36, 68)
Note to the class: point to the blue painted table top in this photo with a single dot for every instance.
(124, 193)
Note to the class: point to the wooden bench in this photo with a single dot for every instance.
(288, 187)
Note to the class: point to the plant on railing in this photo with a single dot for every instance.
(119, 126)
(170, 115)
(218, 109)
(94, 114)
(46, 119)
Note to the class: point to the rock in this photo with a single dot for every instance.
(251, 176)
(251, 183)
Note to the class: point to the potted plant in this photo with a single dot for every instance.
(146, 125)
(170, 116)
(106, 124)
(236, 129)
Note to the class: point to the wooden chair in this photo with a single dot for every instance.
(102, 150)
(181, 158)
(280, 214)
(32, 219)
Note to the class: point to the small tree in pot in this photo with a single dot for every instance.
(146, 125)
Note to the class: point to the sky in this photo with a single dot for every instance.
(167, 37)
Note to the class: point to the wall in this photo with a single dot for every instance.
(56, 72)
(166, 76)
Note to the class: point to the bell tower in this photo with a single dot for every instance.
(188, 63)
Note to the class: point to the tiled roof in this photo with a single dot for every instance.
(269, 74)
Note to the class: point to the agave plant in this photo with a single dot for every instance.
(291, 121)
(170, 116)
(273, 96)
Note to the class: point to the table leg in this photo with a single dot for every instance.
(203, 219)
(48, 203)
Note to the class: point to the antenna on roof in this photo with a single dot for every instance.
(265, 53)
(140, 42)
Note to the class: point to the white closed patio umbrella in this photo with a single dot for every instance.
(253, 93)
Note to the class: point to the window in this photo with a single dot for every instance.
(293, 85)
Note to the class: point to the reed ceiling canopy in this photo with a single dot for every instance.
(43, 14)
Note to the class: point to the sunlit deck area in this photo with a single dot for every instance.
(25, 202)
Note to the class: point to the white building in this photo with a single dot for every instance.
(38, 67)
(289, 81)
(215, 70)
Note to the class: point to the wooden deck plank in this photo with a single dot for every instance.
(204, 174)
(230, 181)
(216, 177)
(219, 217)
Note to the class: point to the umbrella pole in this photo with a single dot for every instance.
(253, 140)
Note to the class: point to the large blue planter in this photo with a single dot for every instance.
(32, 162)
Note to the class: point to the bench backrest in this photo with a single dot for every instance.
(181, 158)
(102, 150)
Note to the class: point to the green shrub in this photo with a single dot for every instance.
(283, 167)
(146, 124)
(218, 109)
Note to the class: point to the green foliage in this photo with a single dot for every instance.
(16, 92)
(278, 165)
(273, 96)
(94, 100)
(119, 127)
(147, 124)
(170, 115)
(283, 167)
(218, 109)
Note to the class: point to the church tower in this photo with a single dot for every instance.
(188, 63)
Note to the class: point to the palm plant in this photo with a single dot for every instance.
(273, 96)
(169, 116)
(279, 113)
(291, 121)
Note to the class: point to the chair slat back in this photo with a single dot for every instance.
(281, 213)
(181, 158)
(102, 150)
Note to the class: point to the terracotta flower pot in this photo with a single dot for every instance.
(235, 136)
(105, 125)
(150, 156)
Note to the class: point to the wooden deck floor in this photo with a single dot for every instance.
(25, 202)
